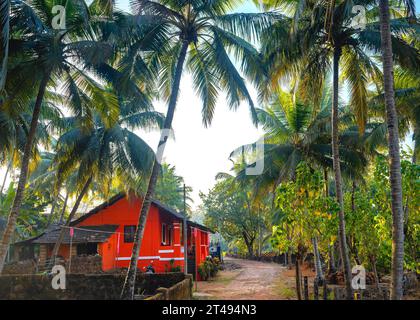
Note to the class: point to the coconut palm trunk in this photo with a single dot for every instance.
(129, 283)
(72, 213)
(23, 176)
(50, 218)
(337, 174)
(416, 145)
(394, 155)
(63, 210)
(4, 39)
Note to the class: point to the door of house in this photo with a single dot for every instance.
(87, 249)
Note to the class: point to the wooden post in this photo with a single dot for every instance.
(185, 234)
(42, 254)
(316, 289)
(305, 287)
(298, 281)
(325, 292)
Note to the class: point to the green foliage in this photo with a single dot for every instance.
(208, 269)
(172, 267)
(230, 210)
(303, 211)
(170, 189)
(30, 221)
(369, 219)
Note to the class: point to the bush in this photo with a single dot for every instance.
(208, 269)
(172, 267)
(202, 271)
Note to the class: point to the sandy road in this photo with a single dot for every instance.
(253, 280)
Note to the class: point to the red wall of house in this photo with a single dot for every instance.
(63, 251)
(125, 212)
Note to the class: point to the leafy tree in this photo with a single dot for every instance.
(229, 210)
(30, 221)
(305, 217)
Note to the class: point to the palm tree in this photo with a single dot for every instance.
(297, 132)
(310, 53)
(48, 54)
(201, 34)
(170, 189)
(107, 152)
(397, 269)
(4, 40)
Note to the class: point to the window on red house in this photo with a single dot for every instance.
(129, 232)
(166, 235)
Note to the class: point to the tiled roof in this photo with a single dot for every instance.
(157, 203)
(83, 234)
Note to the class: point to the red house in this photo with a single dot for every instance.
(108, 230)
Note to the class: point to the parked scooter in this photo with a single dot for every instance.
(150, 269)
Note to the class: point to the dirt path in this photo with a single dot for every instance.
(245, 279)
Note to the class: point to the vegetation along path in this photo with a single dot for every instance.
(246, 279)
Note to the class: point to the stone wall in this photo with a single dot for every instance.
(87, 287)
(370, 293)
(84, 264)
(180, 291)
(20, 267)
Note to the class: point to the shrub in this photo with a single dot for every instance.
(202, 272)
(208, 268)
(172, 267)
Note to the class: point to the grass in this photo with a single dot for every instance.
(287, 293)
(284, 290)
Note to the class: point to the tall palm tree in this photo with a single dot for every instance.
(311, 51)
(4, 40)
(106, 152)
(201, 34)
(49, 55)
(397, 269)
(294, 132)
